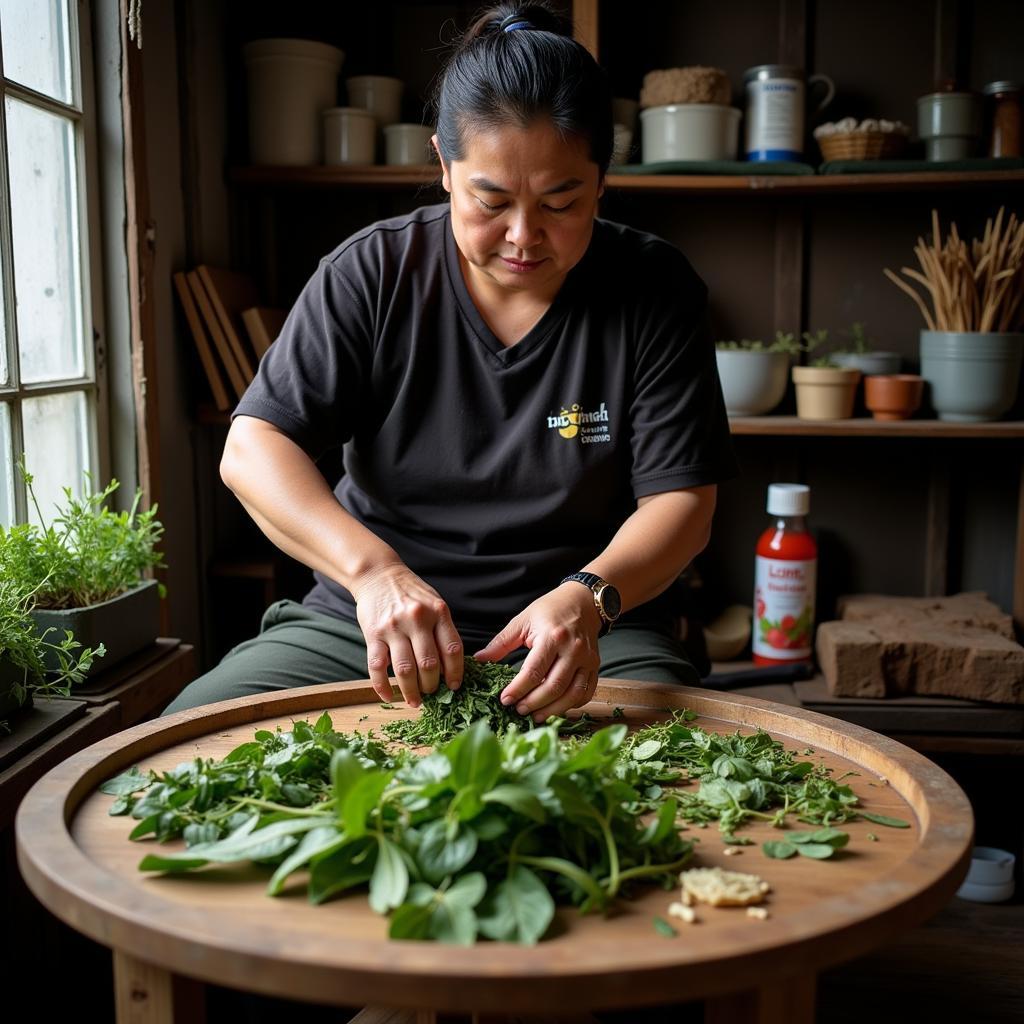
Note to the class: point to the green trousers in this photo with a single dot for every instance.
(297, 646)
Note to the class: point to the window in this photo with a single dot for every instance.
(48, 374)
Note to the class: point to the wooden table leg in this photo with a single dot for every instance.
(788, 1001)
(144, 994)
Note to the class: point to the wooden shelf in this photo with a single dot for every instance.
(865, 427)
(651, 184)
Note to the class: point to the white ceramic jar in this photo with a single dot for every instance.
(290, 82)
(350, 136)
(380, 95)
(689, 131)
(407, 144)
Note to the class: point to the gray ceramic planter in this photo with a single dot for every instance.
(753, 383)
(869, 363)
(124, 624)
(973, 377)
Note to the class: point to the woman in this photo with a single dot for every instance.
(529, 404)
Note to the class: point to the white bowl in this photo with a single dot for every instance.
(690, 131)
(990, 876)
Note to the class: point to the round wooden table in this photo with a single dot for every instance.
(170, 934)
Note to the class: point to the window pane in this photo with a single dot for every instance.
(35, 43)
(47, 271)
(56, 448)
(6, 468)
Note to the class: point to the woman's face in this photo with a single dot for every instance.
(523, 202)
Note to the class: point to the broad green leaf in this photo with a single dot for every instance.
(468, 891)
(360, 799)
(246, 752)
(390, 879)
(518, 909)
(453, 923)
(439, 856)
(411, 921)
(819, 851)
(475, 756)
(574, 873)
(323, 724)
(884, 819)
(196, 833)
(779, 849)
(348, 866)
(662, 826)
(346, 770)
(127, 783)
(145, 826)
(519, 799)
(646, 750)
(316, 841)
(598, 750)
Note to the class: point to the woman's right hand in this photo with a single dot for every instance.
(406, 624)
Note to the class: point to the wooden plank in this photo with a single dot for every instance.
(936, 538)
(202, 342)
(76, 859)
(229, 294)
(227, 356)
(790, 231)
(16, 780)
(787, 1001)
(585, 24)
(31, 726)
(789, 425)
(96, 688)
(144, 994)
(263, 324)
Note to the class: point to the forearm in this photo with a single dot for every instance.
(655, 544)
(288, 498)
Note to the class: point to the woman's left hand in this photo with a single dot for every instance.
(560, 672)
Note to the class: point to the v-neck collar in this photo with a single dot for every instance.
(505, 355)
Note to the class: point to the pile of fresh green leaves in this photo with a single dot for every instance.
(479, 838)
(445, 713)
(86, 554)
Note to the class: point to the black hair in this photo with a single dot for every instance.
(498, 76)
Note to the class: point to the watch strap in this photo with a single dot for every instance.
(594, 583)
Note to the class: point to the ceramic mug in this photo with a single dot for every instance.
(350, 135)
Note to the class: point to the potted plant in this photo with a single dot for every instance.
(85, 570)
(754, 374)
(972, 346)
(861, 355)
(824, 391)
(25, 653)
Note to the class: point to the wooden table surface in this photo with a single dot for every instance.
(217, 925)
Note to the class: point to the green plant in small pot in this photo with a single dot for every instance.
(861, 354)
(86, 570)
(25, 653)
(754, 373)
(973, 309)
(824, 391)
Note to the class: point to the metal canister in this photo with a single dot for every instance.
(776, 101)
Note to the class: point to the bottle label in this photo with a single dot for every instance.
(784, 608)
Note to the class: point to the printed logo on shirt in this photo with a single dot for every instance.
(572, 421)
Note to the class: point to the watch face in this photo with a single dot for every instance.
(611, 602)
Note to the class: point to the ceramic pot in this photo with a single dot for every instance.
(407, 144)
(350, 136)
(973, 377)
(869, 362)
(380, 95)
(290, 81)
(753, 383)
(825, 392)
(124, 625)
(949, 124)
(895, 397)
(690, 131)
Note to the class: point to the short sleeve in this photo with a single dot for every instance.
(679, 428)
(312, 380)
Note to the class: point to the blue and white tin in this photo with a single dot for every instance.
(775, 110)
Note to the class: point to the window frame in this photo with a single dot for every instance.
(92, 384)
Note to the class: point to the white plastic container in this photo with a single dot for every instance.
(350, 136)
(690, 131)
(380, 95)
(407, 144)
(290, 82)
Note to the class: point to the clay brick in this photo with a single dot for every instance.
(959, 646)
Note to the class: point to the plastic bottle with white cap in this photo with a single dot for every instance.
(785, 576)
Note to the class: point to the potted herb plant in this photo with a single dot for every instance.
(971, 351)
(754, 374)
(85, 570)
(824, 391)
(25, 653)
(861, 355)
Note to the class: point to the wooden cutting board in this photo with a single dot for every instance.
(218, 925)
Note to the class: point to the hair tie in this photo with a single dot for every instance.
(513, 22)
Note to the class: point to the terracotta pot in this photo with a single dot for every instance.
(895, 397)
(825, 392)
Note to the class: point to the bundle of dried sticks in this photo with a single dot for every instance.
(978, 289)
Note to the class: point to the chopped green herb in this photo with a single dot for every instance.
(778, 849)
(884, 819)
(662, 927)
(387, 706)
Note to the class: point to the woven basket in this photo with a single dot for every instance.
(862, 145)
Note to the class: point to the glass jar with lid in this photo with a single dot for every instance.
(1003, 116)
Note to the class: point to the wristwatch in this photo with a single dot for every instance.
(607, 599)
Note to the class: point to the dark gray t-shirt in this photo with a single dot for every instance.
(496, 471)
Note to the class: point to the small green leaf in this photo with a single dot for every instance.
(884, 819)
(519, 909)
(779, 849)
(519, 799)
(390, 879)
(818, 851)
(127, 783)
(646, 750)
(662, 927)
